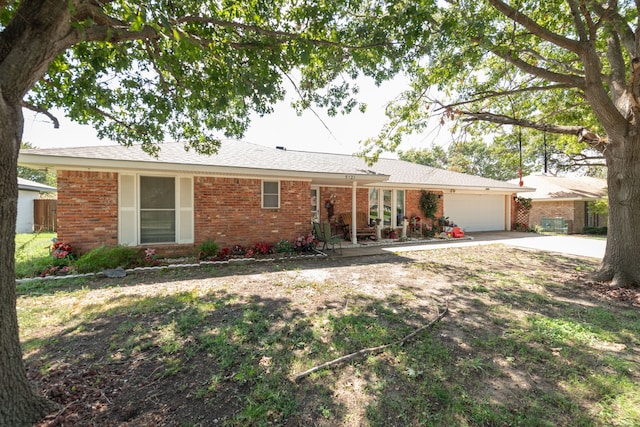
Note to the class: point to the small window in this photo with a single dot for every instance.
(270, 194)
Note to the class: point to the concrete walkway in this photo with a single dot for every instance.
(570, 245)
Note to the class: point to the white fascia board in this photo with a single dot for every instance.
(566, 199)
(457, 188)
(45, 189)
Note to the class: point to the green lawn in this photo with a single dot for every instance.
(528, 341)
(32, 253)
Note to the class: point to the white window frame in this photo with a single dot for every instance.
(263, 193)
(129, 209)
(174, 210)
(315, 214)
(394, 203)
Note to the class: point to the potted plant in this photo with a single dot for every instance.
(390, 233)
(443, 221)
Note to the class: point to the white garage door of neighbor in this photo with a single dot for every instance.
(474, 212)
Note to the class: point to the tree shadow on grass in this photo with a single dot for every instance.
(507, 354)
(530, 348)
(175, 360)
(50, 286)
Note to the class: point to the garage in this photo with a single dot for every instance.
(475, 212)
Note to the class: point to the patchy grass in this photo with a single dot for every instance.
(32, 253)
(527, 342)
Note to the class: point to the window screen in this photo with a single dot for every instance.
(157, 210)
(270, 194)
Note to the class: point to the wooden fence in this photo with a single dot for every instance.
(44, 215)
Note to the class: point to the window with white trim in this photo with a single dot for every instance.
(270, 194)
(387, 206)
(155, 209)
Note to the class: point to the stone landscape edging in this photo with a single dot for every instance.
(169, 266)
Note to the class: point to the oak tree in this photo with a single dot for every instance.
(569, 68)
(186, 70)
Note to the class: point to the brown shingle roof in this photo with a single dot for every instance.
(240, 154)
(550, 187)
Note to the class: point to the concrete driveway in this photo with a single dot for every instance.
(570, 245)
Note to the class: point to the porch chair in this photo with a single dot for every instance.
(323, 234)
(363, 229)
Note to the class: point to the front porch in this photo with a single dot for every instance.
(373, 247)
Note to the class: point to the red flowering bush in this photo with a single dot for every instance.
(305, 243)
(263, 248)
(238, 250)
(151, 257)
(62, 255)
(56, 270)
(61, 250)
(224, 254)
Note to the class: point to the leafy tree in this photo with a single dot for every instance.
(435, 156)
(599, 207)
(143, 72)
(498, 160)
(43, 177)
(568, 68)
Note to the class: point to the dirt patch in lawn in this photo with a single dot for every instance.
(222, 345)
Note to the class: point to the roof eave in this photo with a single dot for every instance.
(38, 189)
(446, 187)
(565, 199)
(78, 163)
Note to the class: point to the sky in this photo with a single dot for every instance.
(281, 128)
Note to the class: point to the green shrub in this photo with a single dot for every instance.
(208, 249)
(429, 204)
(33, 267)
(104, 257)
(284, 247)
(595, 230)
(32, 254)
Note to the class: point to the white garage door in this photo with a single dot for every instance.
(475, 212)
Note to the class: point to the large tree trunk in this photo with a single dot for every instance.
(38, 32)
(19, 404)
(620, 264)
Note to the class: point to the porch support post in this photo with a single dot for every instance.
(508, 205)
(354, 226)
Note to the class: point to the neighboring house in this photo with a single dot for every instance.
(246, 193)
(28, 193)
(565, 197)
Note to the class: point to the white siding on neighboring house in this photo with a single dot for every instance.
(476, 212)
(25, 210)
(28, 191)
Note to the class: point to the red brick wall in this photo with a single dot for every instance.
(578, 217)
(229, 211)
(412, 204)
(342, 200)
(88, 209)
(572, 212)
